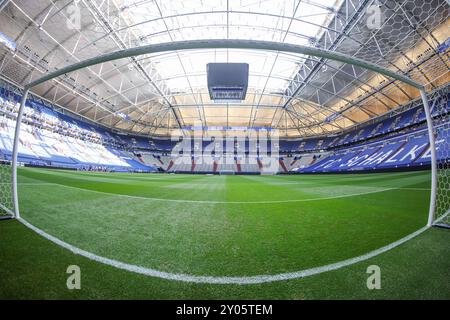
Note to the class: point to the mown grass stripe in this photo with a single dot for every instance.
(221, 279)
(218, 202)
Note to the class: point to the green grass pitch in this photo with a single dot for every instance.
(223, 226)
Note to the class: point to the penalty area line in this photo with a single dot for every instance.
(224, 280)
(217, 202)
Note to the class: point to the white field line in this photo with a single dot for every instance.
(221, 279)
(312, 183)
(6, 209)
(306, 185)
(50, 183)
(212, 201)
(114, 176)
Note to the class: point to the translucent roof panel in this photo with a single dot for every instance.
(167, 91)
(186, 71)
(298, 22)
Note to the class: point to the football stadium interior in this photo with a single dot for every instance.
(224, 149)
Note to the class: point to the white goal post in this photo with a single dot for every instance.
(241, 44)
(441, 125)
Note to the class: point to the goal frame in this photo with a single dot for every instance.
(8, 214)
(230, 44)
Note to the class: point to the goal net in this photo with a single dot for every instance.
(441, 122)
(6, 204)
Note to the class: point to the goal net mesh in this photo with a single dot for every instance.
(6, 204)
(441, 122)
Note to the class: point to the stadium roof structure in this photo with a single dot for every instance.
(159, 93)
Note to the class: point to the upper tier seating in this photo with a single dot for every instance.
(408, 150)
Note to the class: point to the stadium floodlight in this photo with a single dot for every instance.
(254, 45)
